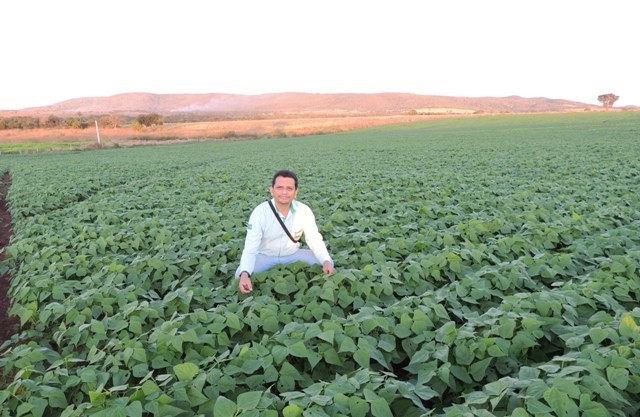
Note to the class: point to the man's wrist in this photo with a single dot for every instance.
(245, 272)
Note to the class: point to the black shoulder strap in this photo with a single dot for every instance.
(281, 222)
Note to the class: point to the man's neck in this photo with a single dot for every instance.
(283, 208)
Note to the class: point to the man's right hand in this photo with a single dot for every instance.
(245, 283)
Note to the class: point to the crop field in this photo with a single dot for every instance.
(486, 266)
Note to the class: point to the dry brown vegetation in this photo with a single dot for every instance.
(215, 130)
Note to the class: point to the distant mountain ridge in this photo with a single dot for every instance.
(292, 103)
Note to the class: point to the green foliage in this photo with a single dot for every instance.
(486, 267)
(608, 100)
(150, 119)
(19, 122)
(37, 147)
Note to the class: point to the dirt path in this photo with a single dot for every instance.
(7, 324)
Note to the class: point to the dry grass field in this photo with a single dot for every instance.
(200, 131)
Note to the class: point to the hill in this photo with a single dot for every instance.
(300, 103)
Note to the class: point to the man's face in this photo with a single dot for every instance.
(284, 190)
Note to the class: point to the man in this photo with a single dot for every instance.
(269, 243)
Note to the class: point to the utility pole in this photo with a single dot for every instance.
(98, 133)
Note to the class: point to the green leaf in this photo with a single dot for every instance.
(476, 397)
(520, 412)
(464, 355)
(618, 377)
(252, 365)
(322, 400)
(286, 383)
(289, 370)
(328, 294)
(496, 352)
(224, 407)
(134, 409)
(543, 307)
(233, 322)
(592, 408)
(567, 386)
(496, 388)
(478, 370)
(149, 387)
(530, 323)
(190, 336)
(292, 410)
(279, 353)
(23, 408)
(617, 267)
(186, 371)
(425, 392)
(313, 359)
(97, 398)
(447, 333)
(620, 362)
(327, 336)
(135, 326)
(557, 400)
(39, 406)
(402, 331)
(387, 343)
(380, 408)
(527, 372)
(315, 411)
(270, 323)
(167, 410)
(97, 327)
(461, 373)
(55, 396)
(347, 345)
(537, 407)
(312, 331)
(117, 411)
(628, 326)
(249, 400)
(368, 325)
(506, 328)
(299, 350)
(358, 407)
(332, 357)
(574, 342)
(421, 322)
(441, 311)
(421, 356)
(597, 334)
(362, 358)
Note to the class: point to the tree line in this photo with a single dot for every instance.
(140, 121)
(80, 122)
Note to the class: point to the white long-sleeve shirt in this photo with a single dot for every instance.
(266, 236)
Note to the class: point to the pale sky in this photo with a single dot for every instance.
(565, 49)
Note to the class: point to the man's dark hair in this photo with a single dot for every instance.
(285, 173)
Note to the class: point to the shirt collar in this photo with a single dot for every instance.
(294, 205)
